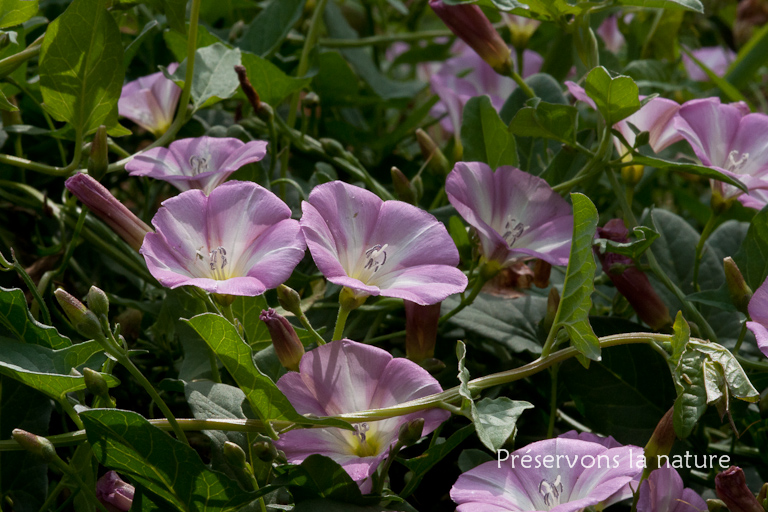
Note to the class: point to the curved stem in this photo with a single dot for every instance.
(709, 227)
(521, 83)
(341, 321)
(51, 170)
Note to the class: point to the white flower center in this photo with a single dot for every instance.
(736, 161)
(217, 260)
(198, 164)
(513, 230)
(363, 445)
(551, 491)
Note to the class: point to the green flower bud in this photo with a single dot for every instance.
(98, 301)
(38, 445)
(740, 292)
(98, 160)
(289, 299)
(83, 319)
(553, 302)
(95, 383)
(411, 432)
(235, 455)
(265, 451)
(437, 163)
(661, 441)
(403, 188)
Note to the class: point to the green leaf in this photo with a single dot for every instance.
(16, 12)
(484, 135)
(688, 5)
(751, 57)
(738, 382)
(17, 323)
(691, 399)
(167, 469)
(267, 31)
(320, 477)
(247, 310)
(48, 370)
(461, 354)
(576, 301)
(460, 237)
(752, 257)
(546, 120)
(545, 87)
(177, 42)
(269, 81)
(176, 13)
(266, 400)
(495, 420)
(133, 46)
(7, 105)
(214, 76)
(615, 98)
(81, 67)
(423, 463)
(335, 82)
(645, 237)
(680, 337)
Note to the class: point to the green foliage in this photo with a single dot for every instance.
(688, 5)
(752, 257)
(269, 81)
(214, 77)
(687, 168)
(484, 135)
(18, 324)
(546, 120)
(616, 98)
(16, 12)
(265, 33)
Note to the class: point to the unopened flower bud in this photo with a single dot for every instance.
(234, 454)
(661, 441)
(311, 100)
(287, 344)
(349, 300)
(432, 365)
(5, 39)
(553, 302)
(738, 288)
(411, 432)
(472, 26)
(37, 445)
(541, 272)
(403, 188)
(265, 451)
(98, 199)
(289, 300)
(98, 301)
(731, 487)
(98, 160)
(420, 330)
(632, 174)
(714, 505)
(96, 383)
(114, 493)
(436, 161)
(83, 319)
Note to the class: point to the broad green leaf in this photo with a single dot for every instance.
(461, 354)
(617, 396)
(320, 477)
(170, 472)
(176, 13)
(691, 399)
(23, 475)
(81, 67)
(133, 46)
(267, 31)
(214, 77)
(16, 12)
(576, 301)
(495, 420)
(615, 98)
(177, 42)
(48, 370)
(545, 87)
(752, 257)
(547, 120)
(7, 105)
(738, 382)
(247, 310)
(512, 323)
(435, 453)
(266, 400)
(17, 323)
(680, 337)
(336, 83)
(484, 135)
(269, 81)
(645, 237)
(688, 5)
(714, 383)
(751, 57)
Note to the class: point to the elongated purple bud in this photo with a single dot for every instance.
(114, 493)
(632, 282)
(738, 288)
(38, 445)
(83, 319)
(420, 330)
(287, 344)
(731, 487)
(99, 200)
(470, 24)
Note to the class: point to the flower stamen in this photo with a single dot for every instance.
(551, 491)
(373, 255)
(199, 164)
(513, 230)
(217, 260)
(736, 162)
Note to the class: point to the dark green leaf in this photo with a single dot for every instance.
(81, 67)
(176, 13)
(461, 354)
(752, 257)
(460, 237)
(247, 310)
(681, 335)
(691, 399)
(547, 120)
(269, 81)
(214, 76)
(689, 5)
(177, 42)
(133, 47)
(484, 135)
(576, 301)
(738, 382)
(495, 420)
(17, 323)
(545, 87)
(615, 98)
(698, 170)
(320, 477)
(645, 237)
(7, 105)
(268, 30)
(16, 12)
(164, 467)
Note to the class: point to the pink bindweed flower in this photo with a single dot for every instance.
(106, 206)
(758, 312)
(572, 474)
(726, 137)
(239, 240)
(150, 101)
(731, 487)
(345, 377)
(611, 35)
(517, 215)
(465, 76)
(663, 492)
(716, 58)
(376, 247)
(655, 117)
(200, 163)
(115, 494)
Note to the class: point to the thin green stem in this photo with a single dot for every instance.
(64, 402)
(388, 464)
(739, 341)
(709, 227)
(44, 312)
(51, 170)
(51, 499)
(308, 326)
(10, 64)
(385, 337)
(341, 321)
(552, 401)
(521, 83)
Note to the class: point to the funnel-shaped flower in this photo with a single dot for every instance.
(731, 140)
(570, 475)
(114, 493)
(610, 34)
(240, 240)
(663, 492)
(150, 101)
(655, 117)
(517, 215)
(344, 377)
(465, 76)
(758, 312)
(200, 163)
(716, 58)
(377, 247)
